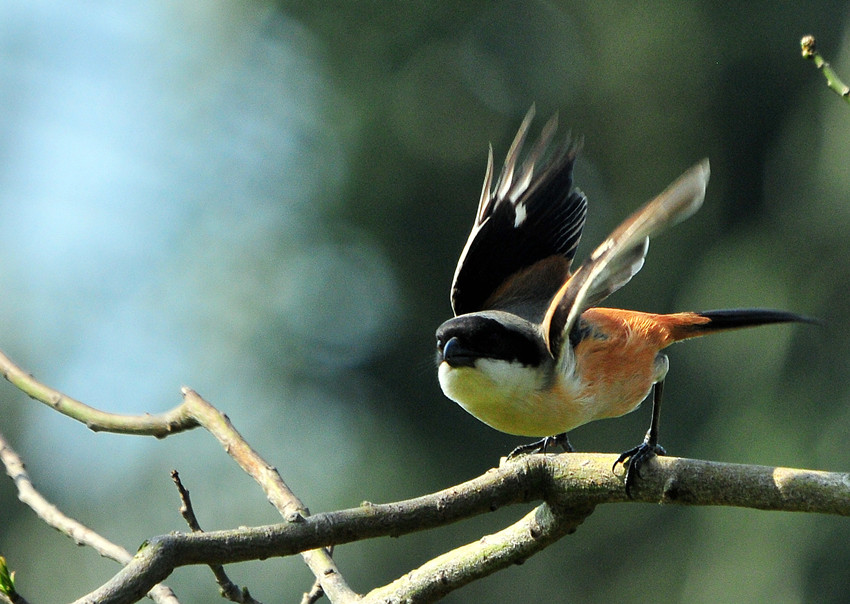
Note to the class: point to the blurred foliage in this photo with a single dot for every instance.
(266, 202)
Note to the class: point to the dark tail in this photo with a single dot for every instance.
(717, 320)
(750, 317)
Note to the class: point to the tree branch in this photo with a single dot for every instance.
(571, 484)
(228, 588)
(193, 412)
(810, 51)
(278, 493)
(538, 529)
(160, 426)
(81, 534)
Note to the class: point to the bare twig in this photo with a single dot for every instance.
(810, 51)
(278, 493)
(50, 514)
(186, 509)
(228, 588)
(171, 422)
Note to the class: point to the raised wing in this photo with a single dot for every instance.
(621, 255)
(530, 217)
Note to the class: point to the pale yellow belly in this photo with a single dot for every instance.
(529, 409)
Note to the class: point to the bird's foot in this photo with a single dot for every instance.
(540, 446)
(633, 459)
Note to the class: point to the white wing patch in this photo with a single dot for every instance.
(521, 215)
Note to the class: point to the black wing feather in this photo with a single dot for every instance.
(525, 218)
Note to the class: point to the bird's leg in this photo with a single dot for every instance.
(634, 458)
(540, 446)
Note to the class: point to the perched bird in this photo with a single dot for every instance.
(528, 352)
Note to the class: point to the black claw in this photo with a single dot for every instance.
(540, 446)
(633, 459)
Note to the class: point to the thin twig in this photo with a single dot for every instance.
(228, 588)
(194, 411)
(314, 595)
(52, 516)
(160, 426)
(810, 51)
(290, 507)
(186, 509)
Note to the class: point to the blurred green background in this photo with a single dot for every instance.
(266, 202)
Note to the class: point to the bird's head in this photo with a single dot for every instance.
(489, 358)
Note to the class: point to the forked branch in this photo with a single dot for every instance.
(568, 485)
(193, 412)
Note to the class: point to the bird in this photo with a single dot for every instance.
(528, 351)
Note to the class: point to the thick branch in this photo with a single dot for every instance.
(538, 529)
(571, 484)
